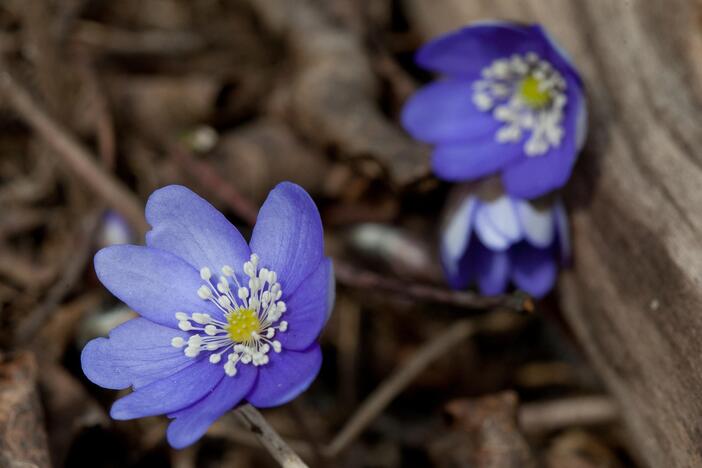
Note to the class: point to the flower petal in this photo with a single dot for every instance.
(465, 52)
(188, 226)
(535, 176)
(192, 422)
(462, 161)
(443, 111)
(154, 283)
(455, 239)
(492, 271)
(502, 215)
(538, 224)
(288, 235)
(488, 233)
(307, 309)
(137, 353)
(286, 376)
(533, 270)
(171, 393)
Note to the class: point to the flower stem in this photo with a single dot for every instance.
(254, 421)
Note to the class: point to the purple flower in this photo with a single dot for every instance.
(494, 242)
(511, 103)
(222, 321)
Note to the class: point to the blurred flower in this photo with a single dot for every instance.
(494, 242)
(114, 230)
(222, 321)
(512, 103)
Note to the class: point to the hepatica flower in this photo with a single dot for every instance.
(511, 103)
(222, 321)
(493, 243)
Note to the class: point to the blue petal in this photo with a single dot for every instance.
(137, 353)
(188, 226)
(538, 224)
(488, 233)
(463, 161)
(443, 111)
(154, 283)
(192, 422)
(286, 376)
(288, 235)
(467, 51)
(307, 309)
(502, 214)
(533, 270)
(171, 393)
(492, 270)
(455, 240)
(535, 176)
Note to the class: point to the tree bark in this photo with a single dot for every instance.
(633, 297)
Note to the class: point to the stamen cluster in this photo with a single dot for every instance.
(251, 317)
(527, 94)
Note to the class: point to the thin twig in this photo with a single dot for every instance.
(269, 438)
(368, 280)
(73, 153)
(396, 383)
(574, 411)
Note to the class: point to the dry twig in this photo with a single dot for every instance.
(269, 438)
(367, 280)
(72, 152)
(575, 411)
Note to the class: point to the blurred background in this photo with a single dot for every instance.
(103, 102)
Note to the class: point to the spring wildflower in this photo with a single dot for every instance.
(222, 321)
(510, 102)
(503, 240)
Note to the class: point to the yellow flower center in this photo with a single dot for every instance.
(241, 324)
(532, 93)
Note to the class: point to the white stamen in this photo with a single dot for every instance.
(499, 92)
(262, 297)
(204, 292)
(177, 342)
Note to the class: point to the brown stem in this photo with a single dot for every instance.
(254, 421)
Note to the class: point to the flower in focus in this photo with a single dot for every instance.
(511, 103)
(222, 321)
(494, 242)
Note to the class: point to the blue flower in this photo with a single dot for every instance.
(511, 103)
(494, 242)
(222, 321)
